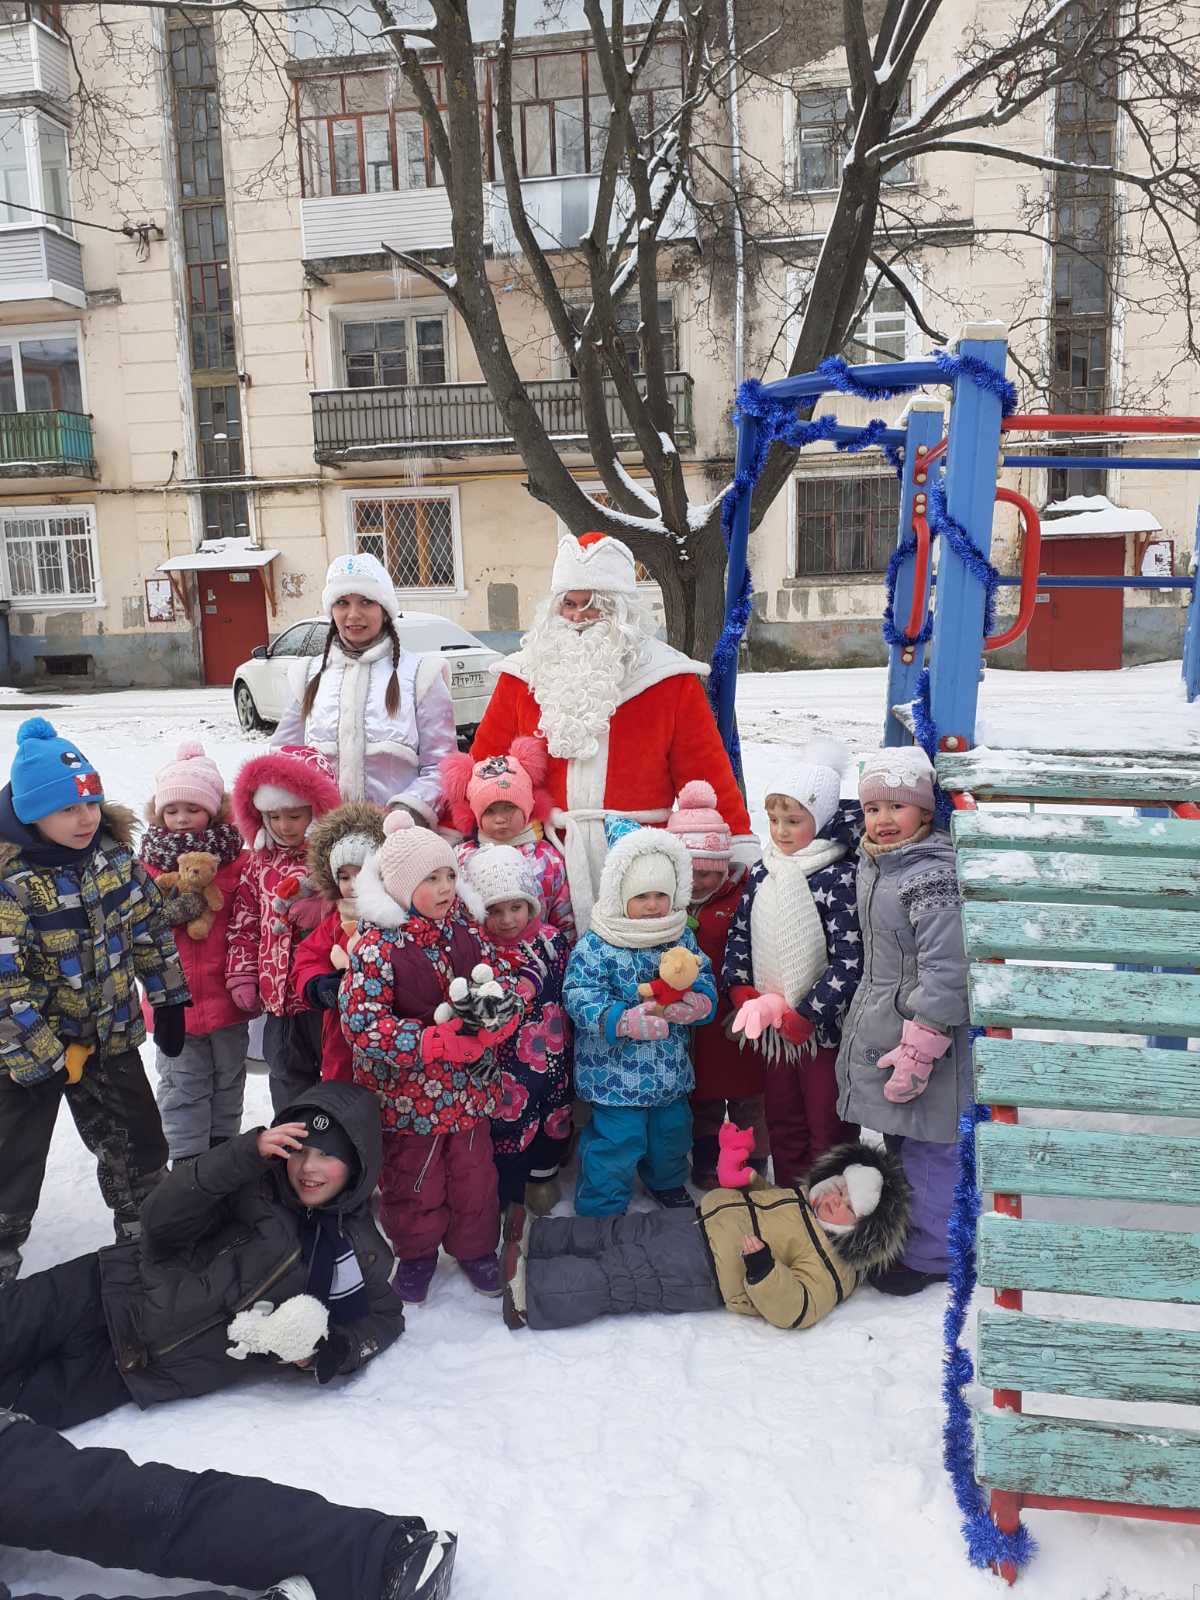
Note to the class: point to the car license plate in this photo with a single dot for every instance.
(468, 680)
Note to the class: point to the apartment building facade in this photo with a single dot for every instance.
(203, 399)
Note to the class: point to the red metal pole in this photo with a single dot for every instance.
(1031, 566)
(1056, 422)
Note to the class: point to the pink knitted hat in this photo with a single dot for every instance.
(192, 778)
(704, 831)
(408, 855)
(902, 775)
(471, 787)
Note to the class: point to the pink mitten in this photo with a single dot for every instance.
(306, 911)
(756, 1016)
(737, 1146)
(244, 994)
(913, 1060)
(693, 1008)
(637, 1023)
(445, 1041)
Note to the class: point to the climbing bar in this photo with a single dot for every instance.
(1031, 561)
(1105, 463)
(895, 374)
(1046, 582)
(1055, 422)
(920, 597)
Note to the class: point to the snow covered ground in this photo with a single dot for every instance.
(687, 1458)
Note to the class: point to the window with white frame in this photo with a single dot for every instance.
(50, 556)
(392, 352)
(33, 171)
(40, 370)
(882, 332)
(821, 137)
(416, 536)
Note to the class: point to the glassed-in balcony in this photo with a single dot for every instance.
(462, 419)
(46, 444)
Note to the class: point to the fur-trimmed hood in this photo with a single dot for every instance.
(356, 816)
(374, 904)
(876, 1240)
(118, 824)
(303, 771)
(643, 842)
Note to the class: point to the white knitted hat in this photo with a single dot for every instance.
(351, 850)
(359, 573)
(595, 562)
(501, 872)
(652, 873)
(817, 783)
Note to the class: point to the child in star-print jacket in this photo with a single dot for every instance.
(436, 1081)
(794, 957)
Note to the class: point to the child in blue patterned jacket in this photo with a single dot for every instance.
(632, 1056)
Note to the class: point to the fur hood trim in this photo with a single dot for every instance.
(307, 774)
(628, 848)
(356, 816)
(117, 823)
(876, 1240)
(374, 904)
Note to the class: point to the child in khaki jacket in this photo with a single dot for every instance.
(786, 1255)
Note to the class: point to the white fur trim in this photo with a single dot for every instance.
(471, 898)
(429, 670)
(372, 901)
(659, 661)
(294, 1589)
(272, 797)
(864, 1185)
(644, 842)
(605, 566)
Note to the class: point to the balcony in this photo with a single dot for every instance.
(461, 419)
(560, 212)
(41, 263)
(334, 227)
(46, 444)
(34, 60)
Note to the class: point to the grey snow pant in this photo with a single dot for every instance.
(580, 1268)
(292, 1047)
(200, 1092)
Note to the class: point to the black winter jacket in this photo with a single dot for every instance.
(223, 1232)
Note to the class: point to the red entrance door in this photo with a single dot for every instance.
(233, 619)
(1079, 630)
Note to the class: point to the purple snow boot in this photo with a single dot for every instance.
(413, 1278)
(483, 1274)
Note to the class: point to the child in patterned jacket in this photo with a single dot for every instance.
(436, 1080)
(501, 801)
(532, 1122)
(794, 955)
(632, 1056)
(276, 800)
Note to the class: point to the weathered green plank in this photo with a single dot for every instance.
(1069, 831)
(1126, 1263)
(1088, 999)
(1110, 1166)
(1023, 930)
(1144, 880)
(1088, 1077)
(1088, 1460)
(1105, 1360)
(1147, 777)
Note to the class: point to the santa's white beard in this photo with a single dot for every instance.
(576, 676)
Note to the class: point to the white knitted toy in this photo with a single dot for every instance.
(292, 1330)
(480, 1003)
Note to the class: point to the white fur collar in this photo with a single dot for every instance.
(659, 661)
(373, 903)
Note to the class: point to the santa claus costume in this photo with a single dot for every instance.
(625, 716)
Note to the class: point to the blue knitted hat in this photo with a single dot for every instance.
(49, 773)
(616, 828)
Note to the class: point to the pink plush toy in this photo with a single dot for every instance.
(737, 1146)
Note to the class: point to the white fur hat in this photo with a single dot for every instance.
(817, 782)
(864, 1185)
(500, 872)
(668, 869)
(359, 573)
(595, 562)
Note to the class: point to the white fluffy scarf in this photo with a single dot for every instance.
(354, 683)
(787, 938)
(638, 933)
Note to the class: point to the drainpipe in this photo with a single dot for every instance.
(739, 244)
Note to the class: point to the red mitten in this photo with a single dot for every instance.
(740, 993)
(737, 1146)
(795, 1028)
(445, 1041)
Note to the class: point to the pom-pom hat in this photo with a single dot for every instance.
(596, 562)
(471, 787)
(408, 855)
(701, 826)
(902, 776)
(49, 772)
(359, 573)
(502, 873)
(817, 782)
(191, 779)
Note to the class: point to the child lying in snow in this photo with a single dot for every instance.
(786, 1255)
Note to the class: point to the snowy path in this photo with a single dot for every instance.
(657, 1459)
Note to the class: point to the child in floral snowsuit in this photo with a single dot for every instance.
(531, 1126)
(436, 1081)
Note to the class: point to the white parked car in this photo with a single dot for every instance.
(260, 685)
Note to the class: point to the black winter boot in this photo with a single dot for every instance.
(902, 1280)
(417, 1566)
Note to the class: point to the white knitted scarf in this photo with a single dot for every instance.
(787, 938)
(639, 933)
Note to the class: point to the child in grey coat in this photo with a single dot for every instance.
(904, 1067)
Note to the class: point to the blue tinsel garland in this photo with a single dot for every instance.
(986, 1544)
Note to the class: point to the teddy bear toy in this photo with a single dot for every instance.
(292, 888)
(194, 874)
(290, 1331)
(339, 956)
(678, 969)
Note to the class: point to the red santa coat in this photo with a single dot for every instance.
(662, 734)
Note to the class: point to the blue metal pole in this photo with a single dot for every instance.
(1046, 582)
(904, 663)
(890, 375)
(1191, 635)
(970, 497)
(735, 577)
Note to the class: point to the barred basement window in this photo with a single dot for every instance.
(845, 525)
(50, 556)
(414, 537)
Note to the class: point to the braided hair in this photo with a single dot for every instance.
(391, 699)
